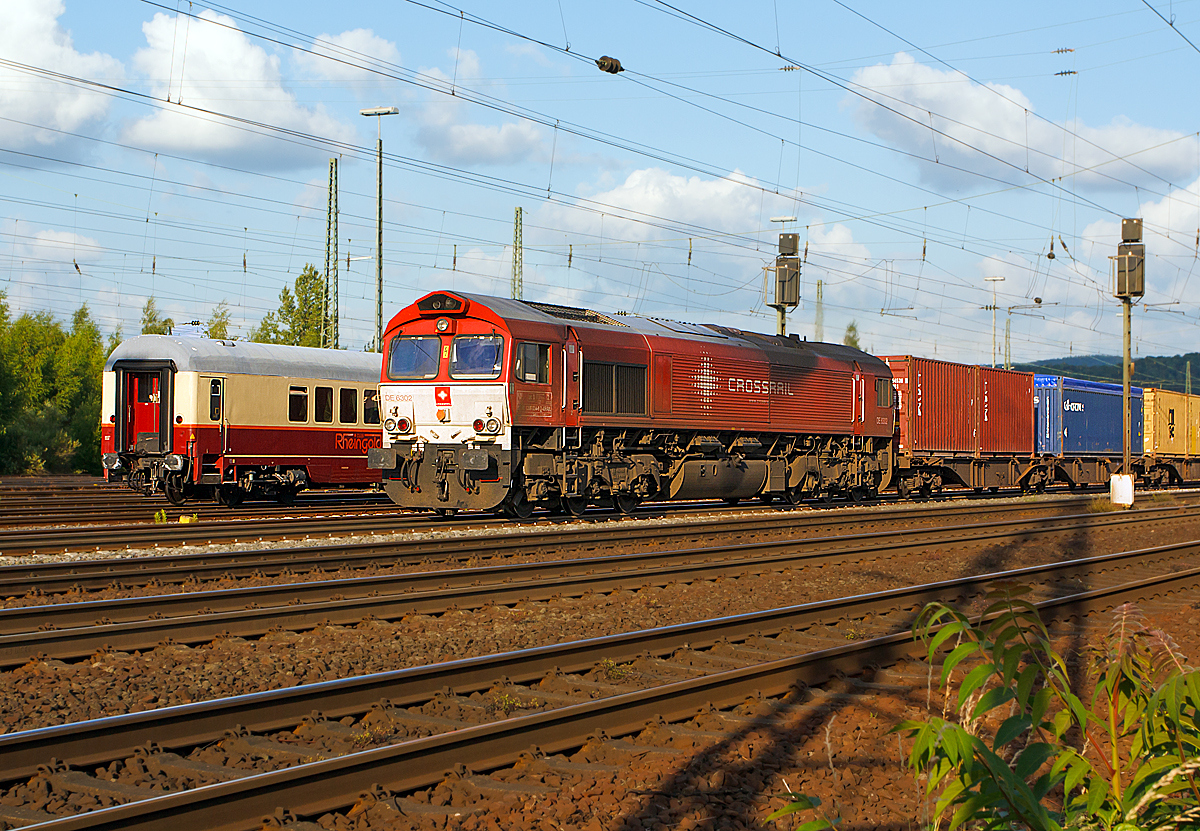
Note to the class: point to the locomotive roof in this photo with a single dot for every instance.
(773, 345)
(246, 358)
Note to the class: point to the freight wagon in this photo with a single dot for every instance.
(1172, 437)
(963, 425)
(200, 418)
(1080, 427)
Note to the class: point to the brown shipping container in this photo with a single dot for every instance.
(949, 408)
(1165, 421)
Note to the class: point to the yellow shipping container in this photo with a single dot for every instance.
(1166, 422)
(1193, 425)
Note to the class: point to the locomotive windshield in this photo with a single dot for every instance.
(413, 358)
(477, 356)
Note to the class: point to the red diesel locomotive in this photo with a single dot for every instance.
(490, 403)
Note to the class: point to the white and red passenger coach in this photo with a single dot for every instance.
(223, 419)
(494, 403)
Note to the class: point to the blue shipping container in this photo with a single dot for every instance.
(1083, 418)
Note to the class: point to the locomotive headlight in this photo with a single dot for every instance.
(174, 462)
(492, 426)
(390, 425)
(111, 461)
(443, 324)
(403, 425)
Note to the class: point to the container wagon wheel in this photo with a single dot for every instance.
(573, 505)
(625, 503)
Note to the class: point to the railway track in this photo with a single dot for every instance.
(74, 630)
(390, 734)
(383, 520)
(55, 511)
(493, 540)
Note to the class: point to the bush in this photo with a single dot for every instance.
(1126, 761)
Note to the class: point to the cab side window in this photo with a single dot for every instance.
(214, 400)
(883, 393)
(533, 363)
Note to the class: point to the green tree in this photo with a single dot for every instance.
(79, 366)
(152, 323)
(7, 382)
(851, 337)
(298, 319)
(218, 323)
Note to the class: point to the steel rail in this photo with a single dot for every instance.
(51, 577)
(321, 786)
(70, 630)
(57, 540)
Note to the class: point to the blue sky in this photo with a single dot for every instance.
(181, 151)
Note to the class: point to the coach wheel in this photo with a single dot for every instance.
(445, 513)
(625, 503)
(287, 496)
(229, 495)
(173, 490)
(573, 505)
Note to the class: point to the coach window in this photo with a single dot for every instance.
(214, 400)
(533, 363)
(298, 404)
(476, 356)
(883, 393)
(370, 406)
(413, 358)
(348, 406)
(323, 412)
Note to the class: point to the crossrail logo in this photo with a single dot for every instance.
(441, 395)
(705, 381)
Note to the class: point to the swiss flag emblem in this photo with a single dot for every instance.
(442, 396)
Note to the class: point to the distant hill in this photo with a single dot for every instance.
(1169, 373)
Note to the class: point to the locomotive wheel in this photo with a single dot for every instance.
(625, 503)
(520, 507)
(573, 505)
(173, 490)
(229, 495)
(446, 513)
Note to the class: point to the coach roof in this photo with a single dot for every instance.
(245, 358)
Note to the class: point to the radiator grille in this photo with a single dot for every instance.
(618, 389)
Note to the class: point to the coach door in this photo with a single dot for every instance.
(217, 407)
(572, 389)
(145, 390)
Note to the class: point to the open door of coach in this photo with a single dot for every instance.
(145, 403)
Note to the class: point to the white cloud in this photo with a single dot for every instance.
(224, 72)
(723, 204)
(1000, 121)
(340, 57)
(447, 137)
(31, 35)
(533, 52)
